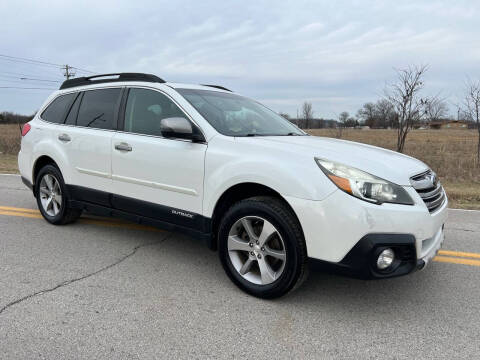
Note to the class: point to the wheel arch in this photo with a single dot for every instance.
(39, 163)
(236, 193)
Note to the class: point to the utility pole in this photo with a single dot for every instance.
(68, 72)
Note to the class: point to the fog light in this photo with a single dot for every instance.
(385, 259)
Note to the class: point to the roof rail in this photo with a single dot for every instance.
(91, 80)
(217, 87)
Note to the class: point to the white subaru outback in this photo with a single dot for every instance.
(224, 168)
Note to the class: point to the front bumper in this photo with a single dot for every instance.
(341, 225)
(430, 248)
(360, 262)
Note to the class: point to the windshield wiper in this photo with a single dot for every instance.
(289, 134)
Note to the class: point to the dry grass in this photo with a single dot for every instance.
(9, 147)
(451, 153)
(9, 139)
(8, 164)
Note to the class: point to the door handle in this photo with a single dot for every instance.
(64, 138)
(123, 147)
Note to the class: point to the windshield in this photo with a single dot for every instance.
(235, 115)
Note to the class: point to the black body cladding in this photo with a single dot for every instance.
(142, 212)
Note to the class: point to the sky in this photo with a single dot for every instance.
(336, 54)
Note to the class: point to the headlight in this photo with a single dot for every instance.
(364, 185)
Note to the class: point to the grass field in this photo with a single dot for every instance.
(9, 147)
(451, 153)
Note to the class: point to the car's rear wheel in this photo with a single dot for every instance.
(262, 248)
(52, 197)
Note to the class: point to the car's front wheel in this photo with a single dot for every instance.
(52, 197)
(261, 247)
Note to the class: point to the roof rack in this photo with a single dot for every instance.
(217, 87)
(91, 80)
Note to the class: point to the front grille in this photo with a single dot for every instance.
(429, 188)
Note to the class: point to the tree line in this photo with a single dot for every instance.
(402, 107)
(7, 117)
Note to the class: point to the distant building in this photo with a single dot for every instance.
(450, 124)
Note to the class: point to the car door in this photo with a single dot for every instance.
(154, 176)
(87, 138)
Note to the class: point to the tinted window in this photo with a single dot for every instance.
(72, 114)
(97, 109)
(145, 109)
(55, 112)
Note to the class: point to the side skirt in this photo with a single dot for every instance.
(142, 212)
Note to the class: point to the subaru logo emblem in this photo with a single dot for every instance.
(432, 177)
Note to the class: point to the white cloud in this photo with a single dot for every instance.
(337, 54)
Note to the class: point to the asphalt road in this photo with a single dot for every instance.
(109, 289)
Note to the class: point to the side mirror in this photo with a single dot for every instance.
(180, 128)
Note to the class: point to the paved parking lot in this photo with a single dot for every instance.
(103, 288)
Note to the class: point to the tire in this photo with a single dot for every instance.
(49, 184)
(257, 267)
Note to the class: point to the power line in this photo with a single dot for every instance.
(28, 62)
(44, 63)
(16, 82)
(87, 71)
(27, 78)
(7, 73)
(33, 79)
(31, 60)
(26, 88)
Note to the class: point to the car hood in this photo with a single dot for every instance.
(386, 164)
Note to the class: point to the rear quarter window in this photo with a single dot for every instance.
(56, 111)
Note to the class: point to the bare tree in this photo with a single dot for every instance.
(385, 113)
(338, 126)
(307, 112)
(404, 97)
(367, 114)
(343, 118)
(435, 108)
(472, 108)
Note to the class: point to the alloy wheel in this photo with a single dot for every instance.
(50, 195)
(256, 250)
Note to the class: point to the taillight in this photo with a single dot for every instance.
(26, 128)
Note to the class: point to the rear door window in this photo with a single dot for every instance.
(56, 111)
(98, 108)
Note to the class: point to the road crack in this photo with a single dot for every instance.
(458, 229)
(71, 281)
